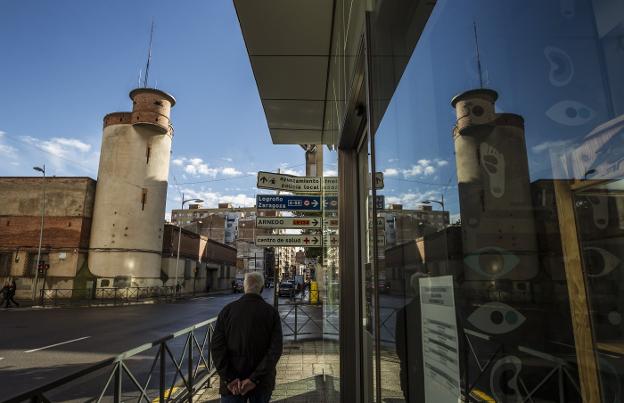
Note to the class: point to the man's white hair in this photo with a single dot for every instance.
(253, 283)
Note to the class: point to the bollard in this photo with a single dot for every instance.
(190, 367)
(163, 369)
(118, 383)
(296, 306)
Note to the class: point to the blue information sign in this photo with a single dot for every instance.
(277, 202)
(303, 203)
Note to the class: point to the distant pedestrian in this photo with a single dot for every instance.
(246, 345)
(8, 293)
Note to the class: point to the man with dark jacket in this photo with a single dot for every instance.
(8, 293)
(246, 345)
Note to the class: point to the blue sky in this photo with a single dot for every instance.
(66, 64)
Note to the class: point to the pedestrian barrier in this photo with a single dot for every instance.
(303, 319)
(105, 296)
(176, 380)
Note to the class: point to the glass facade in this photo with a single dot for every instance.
(507, 118)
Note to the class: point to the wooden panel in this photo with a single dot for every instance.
(579, 304)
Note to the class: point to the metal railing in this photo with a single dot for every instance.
(192, 371)
(303, 319)
(101, 296)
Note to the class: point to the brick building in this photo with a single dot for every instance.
(204, 264)
(67, 225)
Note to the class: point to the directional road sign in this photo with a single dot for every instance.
(305, 184)
(288, 240)
(330, 222)
(278, 202)
(288, 222)
(331, 240)
(290, 183)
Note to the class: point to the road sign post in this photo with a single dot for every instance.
(288, 240)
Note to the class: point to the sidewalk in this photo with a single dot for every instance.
(307, 372)
(28, 304)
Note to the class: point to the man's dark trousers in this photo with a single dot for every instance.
(259, 397)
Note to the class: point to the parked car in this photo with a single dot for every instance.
(286, 289)
(238, 286)
(268, 283)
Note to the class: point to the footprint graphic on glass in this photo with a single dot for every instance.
(600, 211)
(504, 380)
(561, 66)
(493, 161)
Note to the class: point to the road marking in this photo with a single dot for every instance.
(167, 394)
(1, 358)
(57, 344)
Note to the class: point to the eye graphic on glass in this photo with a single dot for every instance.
(599, 262)
(570, 113)
(600, 210)
(493, 161)
(561, 66)
(496, 318)
(492, 262)
(504, 380)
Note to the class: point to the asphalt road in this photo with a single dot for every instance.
(40, 345)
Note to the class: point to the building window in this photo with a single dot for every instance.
(5, 264)
(143, 198)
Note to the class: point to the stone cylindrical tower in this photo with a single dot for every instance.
(498, 228)
(129, 211)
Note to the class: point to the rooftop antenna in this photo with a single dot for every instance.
(474, 25)
(149, 56)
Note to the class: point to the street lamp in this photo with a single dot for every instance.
(184, 201)
(43, 207)
(441, 203)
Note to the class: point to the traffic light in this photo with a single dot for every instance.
(42, 267)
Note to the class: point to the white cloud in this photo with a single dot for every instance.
(330, 172)
(8, 151)
(64, 155)
(197, 166)
(391, 172)
(424, 167)
(227, 159)
(59, 146)
(540, 148)
(230, 171)
(212, 199)
(289, 171)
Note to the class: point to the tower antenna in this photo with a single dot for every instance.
(149, 56)
(474, 25)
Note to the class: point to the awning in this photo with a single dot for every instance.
(288, 42)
